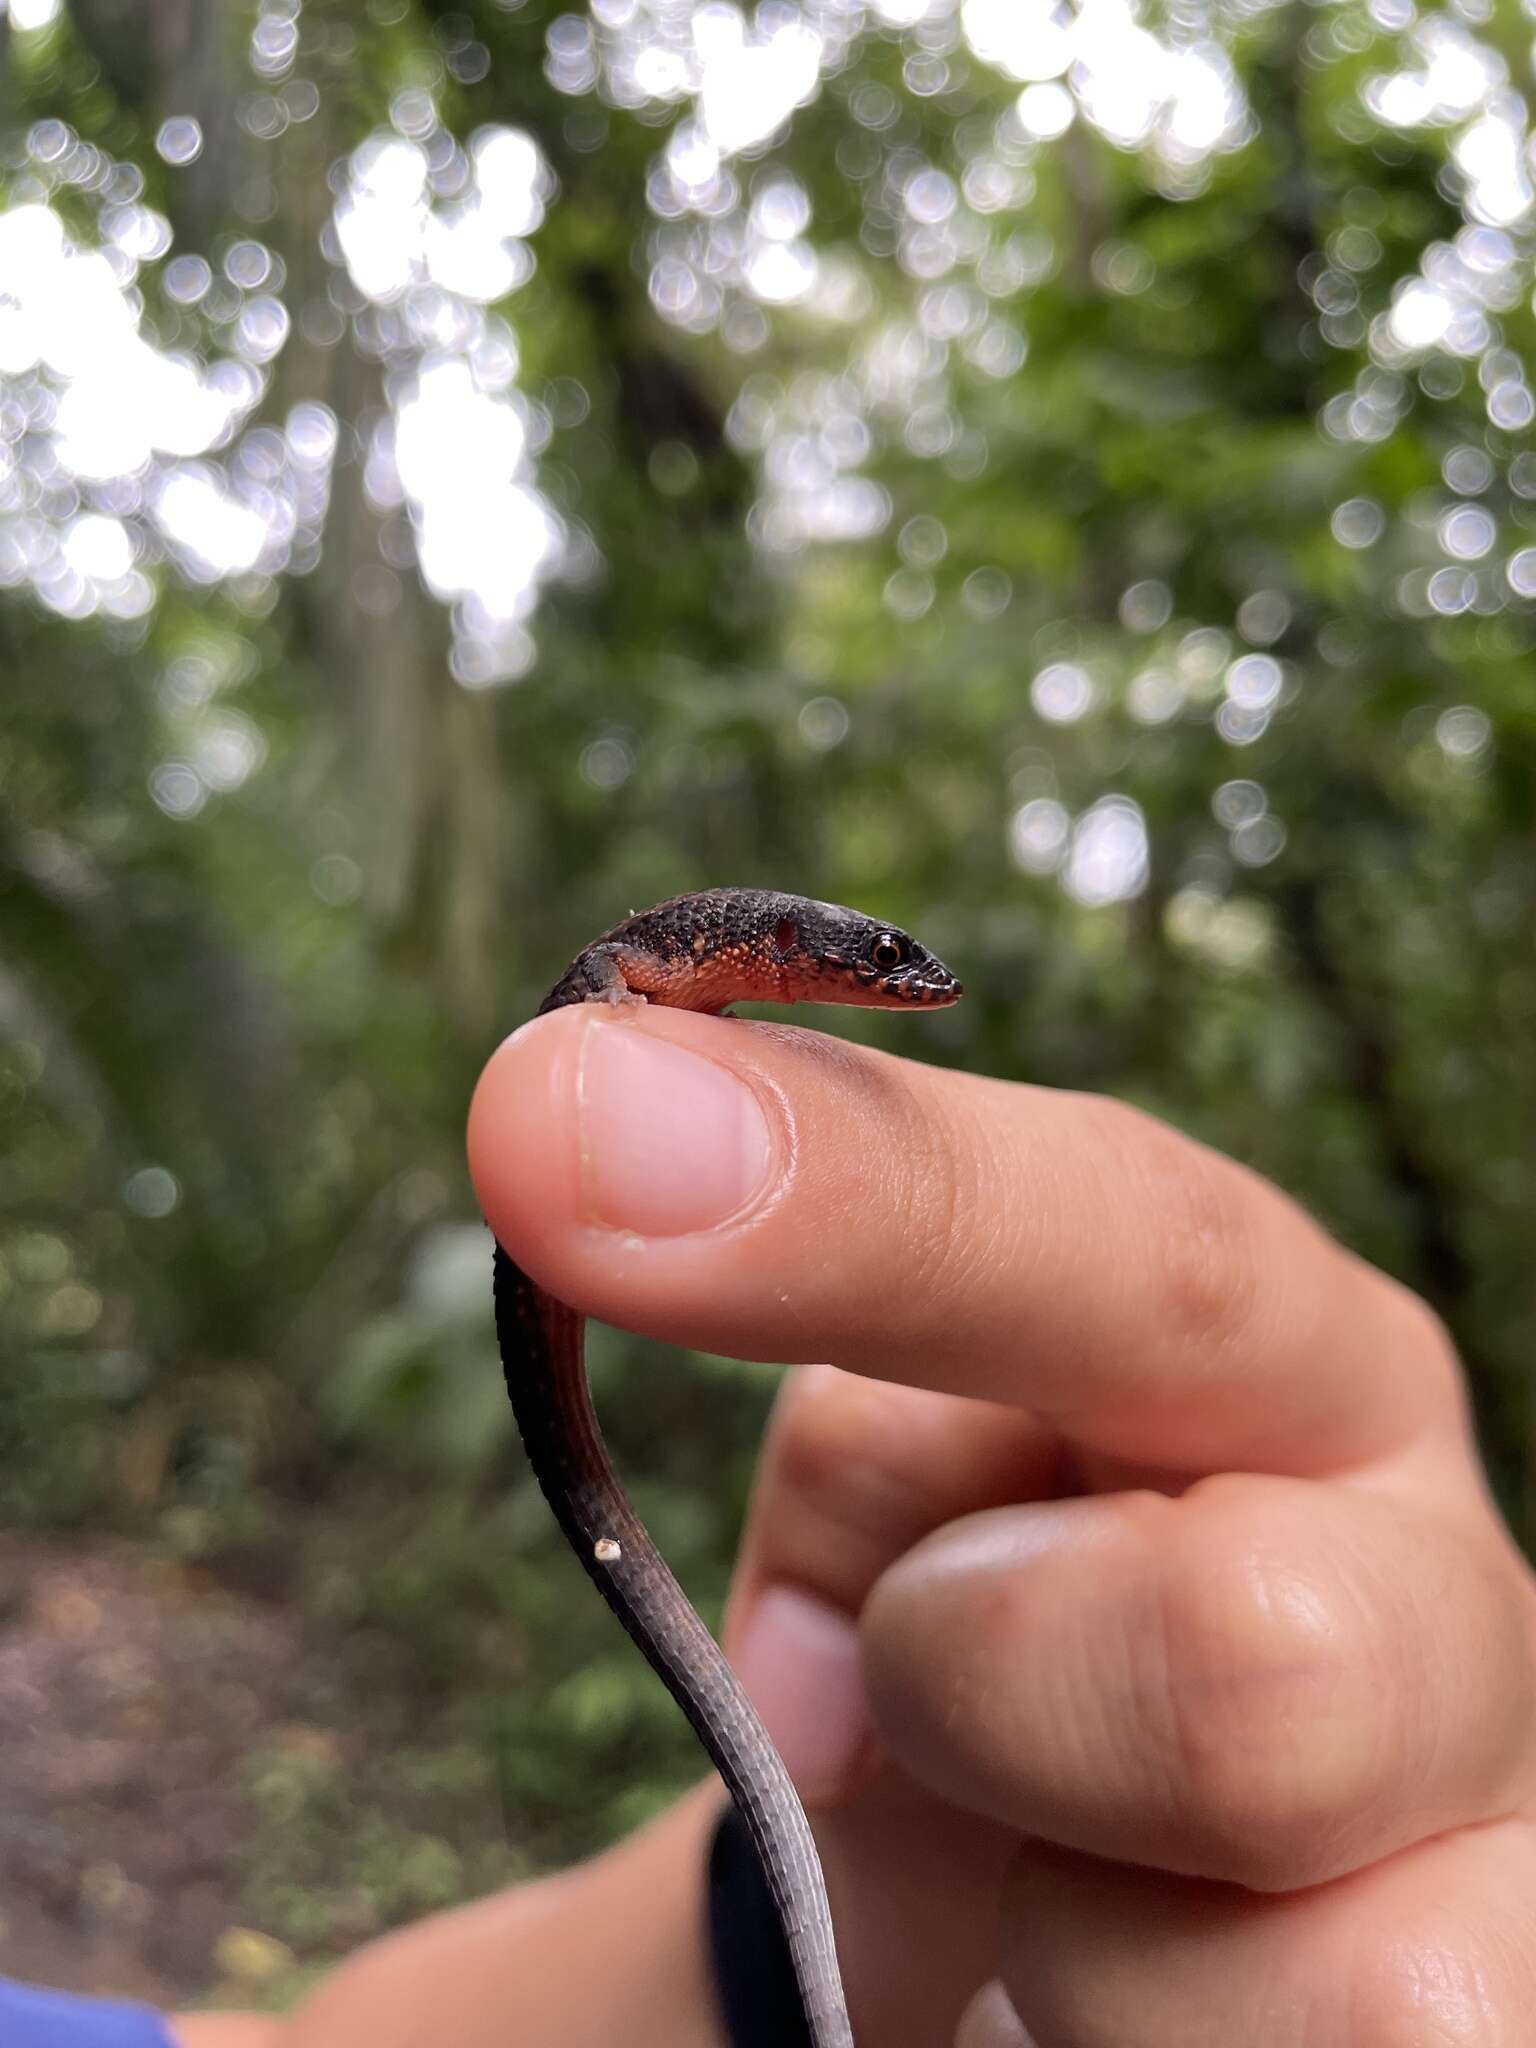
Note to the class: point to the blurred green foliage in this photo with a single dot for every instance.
(1164, 426)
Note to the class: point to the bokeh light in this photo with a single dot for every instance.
(904, 326)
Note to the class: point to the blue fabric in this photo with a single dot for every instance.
(34, 2018)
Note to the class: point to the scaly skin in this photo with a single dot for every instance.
(700, 952)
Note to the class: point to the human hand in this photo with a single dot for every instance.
(1190, 1692)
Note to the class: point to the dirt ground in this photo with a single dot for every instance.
(131, 1688)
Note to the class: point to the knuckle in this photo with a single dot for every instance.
(1423, 1329)
(830, 1506)
(825, 1448)
(990, 2021)
(813, 1437)
(1421, 1336)
(1280, 1753)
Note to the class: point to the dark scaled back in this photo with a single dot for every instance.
(822, 948)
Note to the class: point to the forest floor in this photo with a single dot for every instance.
(208, 1791)
(132, 1691)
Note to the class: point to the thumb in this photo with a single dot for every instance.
(853, 1473)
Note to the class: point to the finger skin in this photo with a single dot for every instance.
(1265, 1680)
(1055, 1252)
(855, 1472)
(1166, 1315)
(991, 2022)
(919, 1885)
(1432, 1949)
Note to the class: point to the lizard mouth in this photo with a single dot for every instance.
(930, 986)
(933, 986)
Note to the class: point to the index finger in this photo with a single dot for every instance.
(767, 1192)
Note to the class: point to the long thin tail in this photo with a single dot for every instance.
(559, 1430)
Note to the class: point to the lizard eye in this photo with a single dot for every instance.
(888, 950)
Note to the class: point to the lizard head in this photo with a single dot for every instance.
(847, 957)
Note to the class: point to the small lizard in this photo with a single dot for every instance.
(700, 952)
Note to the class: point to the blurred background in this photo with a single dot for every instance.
(1057, 473)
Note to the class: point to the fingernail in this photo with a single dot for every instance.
(799, 1661)
(670, 1142)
